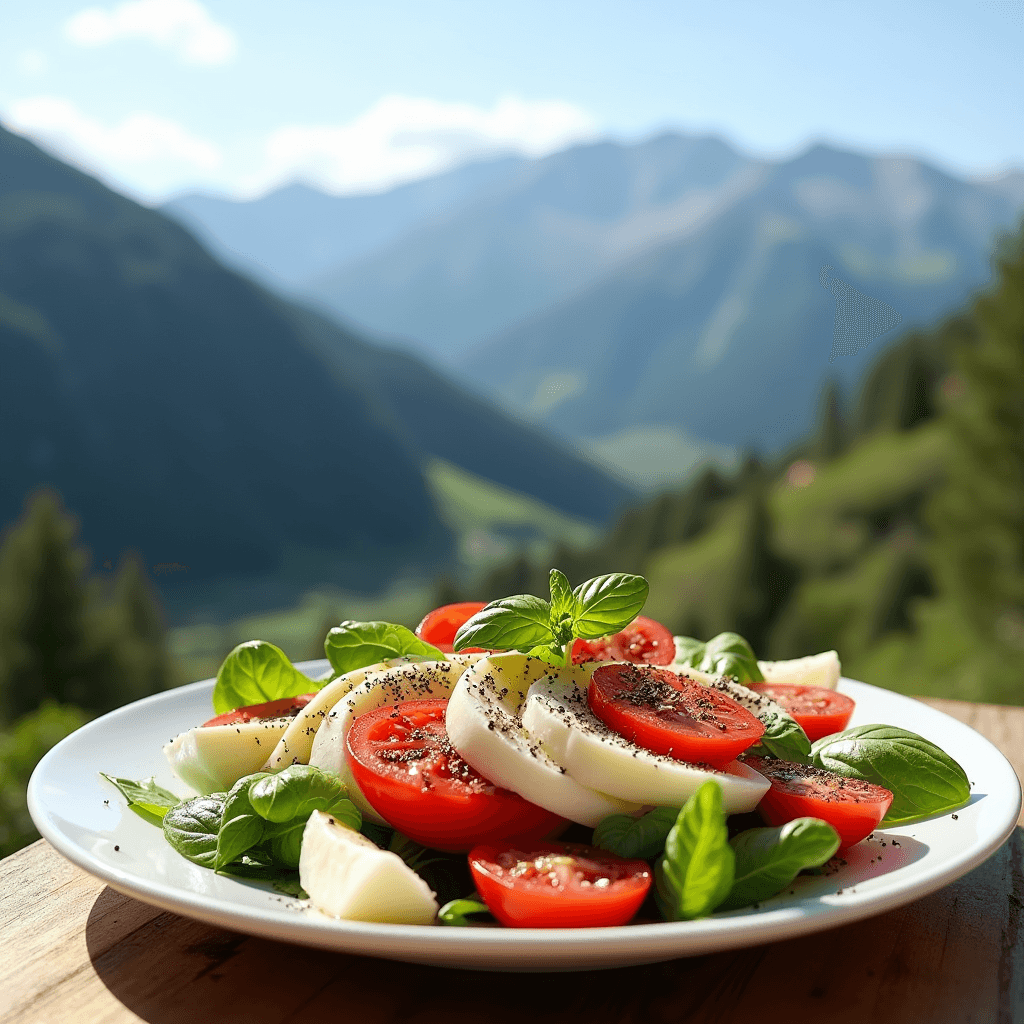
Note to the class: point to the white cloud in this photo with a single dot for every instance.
(401, 138)
(184, 26)
(137, 141)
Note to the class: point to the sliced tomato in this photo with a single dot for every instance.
(558, 885)
(405, 765)
(664, 712)
(440, 626)
(818, 710)
(286, 707)
(851, 806)
(643, 642)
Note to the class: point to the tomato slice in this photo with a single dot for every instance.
(440, 626)
(285, 707)
(558, 885)
(643, 642)
(818, 710)
(664, 712)
(404, 763)
(851, 806)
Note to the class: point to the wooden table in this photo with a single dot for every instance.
(76, 951)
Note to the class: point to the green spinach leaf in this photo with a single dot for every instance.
(922, 777)
(727, 654)
(148, 800)
(768, 859)
(695, 873)
(353, 645)
(192, 826)
(642, 837)
(256, 672)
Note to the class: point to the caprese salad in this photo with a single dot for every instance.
(571, 755)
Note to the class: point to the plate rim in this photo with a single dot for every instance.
(648, 942)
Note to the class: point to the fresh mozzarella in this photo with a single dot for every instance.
(348, 876)
(295, 745)
(416, 681)
(557, 714)
(484, 725)
(213, 758)
(814, 670)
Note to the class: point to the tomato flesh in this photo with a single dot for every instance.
(643, 642)
(558, 885)
(440, 626)
(851, 806)
(406, 767)
(286, 707)
(818, 710)
(668, 714)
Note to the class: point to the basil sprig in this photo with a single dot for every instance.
(727, 654)
(353, 645)
(547, 629)
(256, 672)
(921, 776)
(768, 859)
(696, 871)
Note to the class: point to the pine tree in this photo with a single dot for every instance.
(978, 515)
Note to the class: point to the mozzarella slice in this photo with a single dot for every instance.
(815, 670)
(484, 725)
(213, 758)
(295, 745)
(348, 876)
(557, 714)
(419, 681)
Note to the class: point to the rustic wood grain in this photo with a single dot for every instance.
(76, 951)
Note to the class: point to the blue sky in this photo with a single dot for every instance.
(235, 96)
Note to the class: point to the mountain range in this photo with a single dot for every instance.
(185, 411)
(663, 295)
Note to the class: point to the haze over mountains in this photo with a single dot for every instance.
(662, 296)
(186, 412)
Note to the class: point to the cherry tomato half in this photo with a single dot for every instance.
(851, 806)
(818, 710)
(286, 707)
(661, 711)
(643, 642)
(404, 763)
(558, 885)
(440, 626)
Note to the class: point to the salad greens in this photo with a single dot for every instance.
(256, 672)
(783, 737)
(695, 872)
(465, 913)
(642, 837)
(768, 859)
(353, 645)
(922, 777)
(148, 800)
(547, 629)
(727, 654)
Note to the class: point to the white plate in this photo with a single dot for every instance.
(86, 820)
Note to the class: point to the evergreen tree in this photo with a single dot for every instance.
(978, 515)
(830, 434)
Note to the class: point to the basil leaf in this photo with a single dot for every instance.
(461, 914)
(727, 654)
(607, 604)
(922, 777)
(191, 827)
(298, 791)
(148, 800)
(553, 654)
(353, 645)
(642, 837)
(282, 842)
(241, 828)
(563, 601)
(511, 624)
(696, 871)
(768, 859)
(783, 737)
(256, 672)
